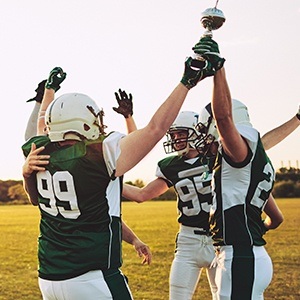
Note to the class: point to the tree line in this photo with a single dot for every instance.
(287, 185)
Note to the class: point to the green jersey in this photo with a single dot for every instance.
(80, 205)
(191, 178)
(240, 192)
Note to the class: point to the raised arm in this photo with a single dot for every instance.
(138, 144)
(232, 142)
(125, 108)
(35, 161)
(141, 248)
(56, 77)
(278, 134)
(31, 128)
(152, 190)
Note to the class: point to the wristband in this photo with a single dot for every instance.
(298, 116)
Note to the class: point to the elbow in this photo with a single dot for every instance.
(142, 197)
(138, 200)
(279, 220)
(33, 201)
(276, 222)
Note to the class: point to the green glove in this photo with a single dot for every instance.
(56, 77)
(196, 70)
(125, 104)
(209, 49)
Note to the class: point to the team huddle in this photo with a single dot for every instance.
(217, 164)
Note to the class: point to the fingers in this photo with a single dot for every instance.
(35, 161)
(124, 95)
(56, 77)
(117, 97)
(33, 147)
(205, 45)
(144, 251)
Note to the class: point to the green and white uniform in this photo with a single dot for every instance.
(80, 205)
(191, 178)
(240, 192)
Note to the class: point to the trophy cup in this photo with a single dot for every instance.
(211, 19)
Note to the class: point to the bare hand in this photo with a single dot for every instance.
(143, 251)
(35, 162)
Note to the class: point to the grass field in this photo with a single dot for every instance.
(155, 223)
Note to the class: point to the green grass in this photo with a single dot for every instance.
(156, 225)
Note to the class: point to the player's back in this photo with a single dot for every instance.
(78, 233)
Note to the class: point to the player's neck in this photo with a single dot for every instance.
(192, 153)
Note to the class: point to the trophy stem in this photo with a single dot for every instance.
(212, 19)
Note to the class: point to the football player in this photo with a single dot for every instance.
(243, 179)
(125, 108)
(74, 172)
(190, 173)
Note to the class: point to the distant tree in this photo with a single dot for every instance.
(17, 193)
(4, 187)
(287, 184)
(284, 189)
(284, 174)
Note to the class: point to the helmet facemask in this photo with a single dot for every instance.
(182, 136)
(207, 131)
(205, 138)
(183, 143)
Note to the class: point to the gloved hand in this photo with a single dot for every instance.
(56, 77)
(39, 92)
(125, 104)
(209, 49)
(196, 70)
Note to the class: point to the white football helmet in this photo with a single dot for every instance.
(185, 122)
(207, 128)
(74, 116)
(240, 113)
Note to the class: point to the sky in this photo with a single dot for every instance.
(140, 46)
